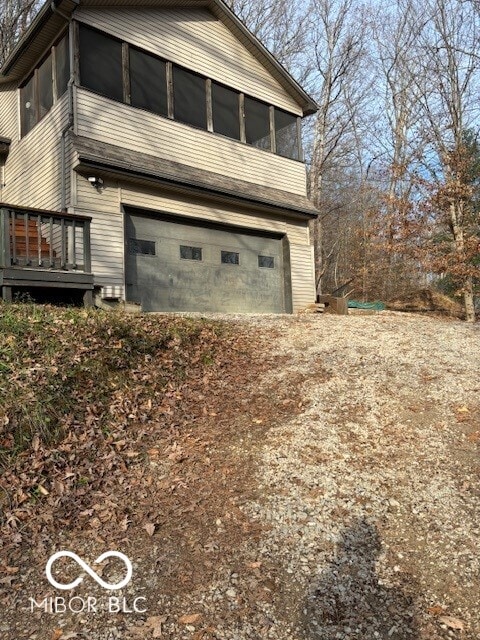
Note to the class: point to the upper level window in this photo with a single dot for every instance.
(189, 97)
(46, 84)
(125, 73)
(62, 65)
(225, 110)
(101, 63)
(28, 105)
(286, 134)
(148, 82)
(257, 123)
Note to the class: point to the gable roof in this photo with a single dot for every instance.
(51, 18)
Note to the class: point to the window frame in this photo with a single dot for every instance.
(233, 264)
(123, 63)
(132, 241)
(188, 246)
(207, 95)
(34, 74)
(263, 266)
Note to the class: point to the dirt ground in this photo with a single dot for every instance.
(331, 491)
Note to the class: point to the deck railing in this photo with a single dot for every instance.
(44, 240)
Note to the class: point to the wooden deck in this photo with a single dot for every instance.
(44, 249)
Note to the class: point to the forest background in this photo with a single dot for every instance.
(393, 154)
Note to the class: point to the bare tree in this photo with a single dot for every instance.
(447, 90)
(15, 16)
(282, 26)
(338, 45)
(399, 142)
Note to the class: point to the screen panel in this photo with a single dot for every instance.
(226, 115)
(190, 98)
(148, 82)
(62, 65)
(286, 134)
(28, 108)
(101, 63)
(45, 87)
(257, 123)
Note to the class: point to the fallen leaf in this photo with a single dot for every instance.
(11, 570)
(437, 610)
(42, 490)
(155, 621)
(452, 623)
(254, 565)
(58, 633)
(190, 619)
(35, 443)
(149, 528)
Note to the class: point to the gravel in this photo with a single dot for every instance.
(369, 498)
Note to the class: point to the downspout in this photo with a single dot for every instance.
(63, 148)
(71, 117)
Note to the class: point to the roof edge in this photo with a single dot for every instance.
(88, 161)
(48, 9)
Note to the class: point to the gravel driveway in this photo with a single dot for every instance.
(370, 495)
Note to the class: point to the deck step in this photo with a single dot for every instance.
(31, 233)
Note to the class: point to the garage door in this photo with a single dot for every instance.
(173, 266)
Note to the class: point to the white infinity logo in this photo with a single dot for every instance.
(87, 569)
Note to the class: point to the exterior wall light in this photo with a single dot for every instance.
(95, 182)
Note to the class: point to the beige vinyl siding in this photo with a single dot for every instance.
(32, 170)
(104, 199)
(193, 38)
(122, 125)
(303, 278)
(298, 232)
(188, 206)
(106, 233)
(8, 113)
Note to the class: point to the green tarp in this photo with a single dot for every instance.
(374, 306)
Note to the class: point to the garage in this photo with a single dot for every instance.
(176, 265)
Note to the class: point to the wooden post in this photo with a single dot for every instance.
(241, 109)
(273, 139)
(126, 73)
(7, 293)
(5, 258)
(299, 136)
(208, 88)
(88, 298)
(170, 101)
(87, 256)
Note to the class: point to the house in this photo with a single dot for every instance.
(150, 151)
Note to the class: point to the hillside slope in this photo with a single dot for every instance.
(287, 478)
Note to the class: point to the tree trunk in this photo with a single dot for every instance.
(458, 236)
(469, 300)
